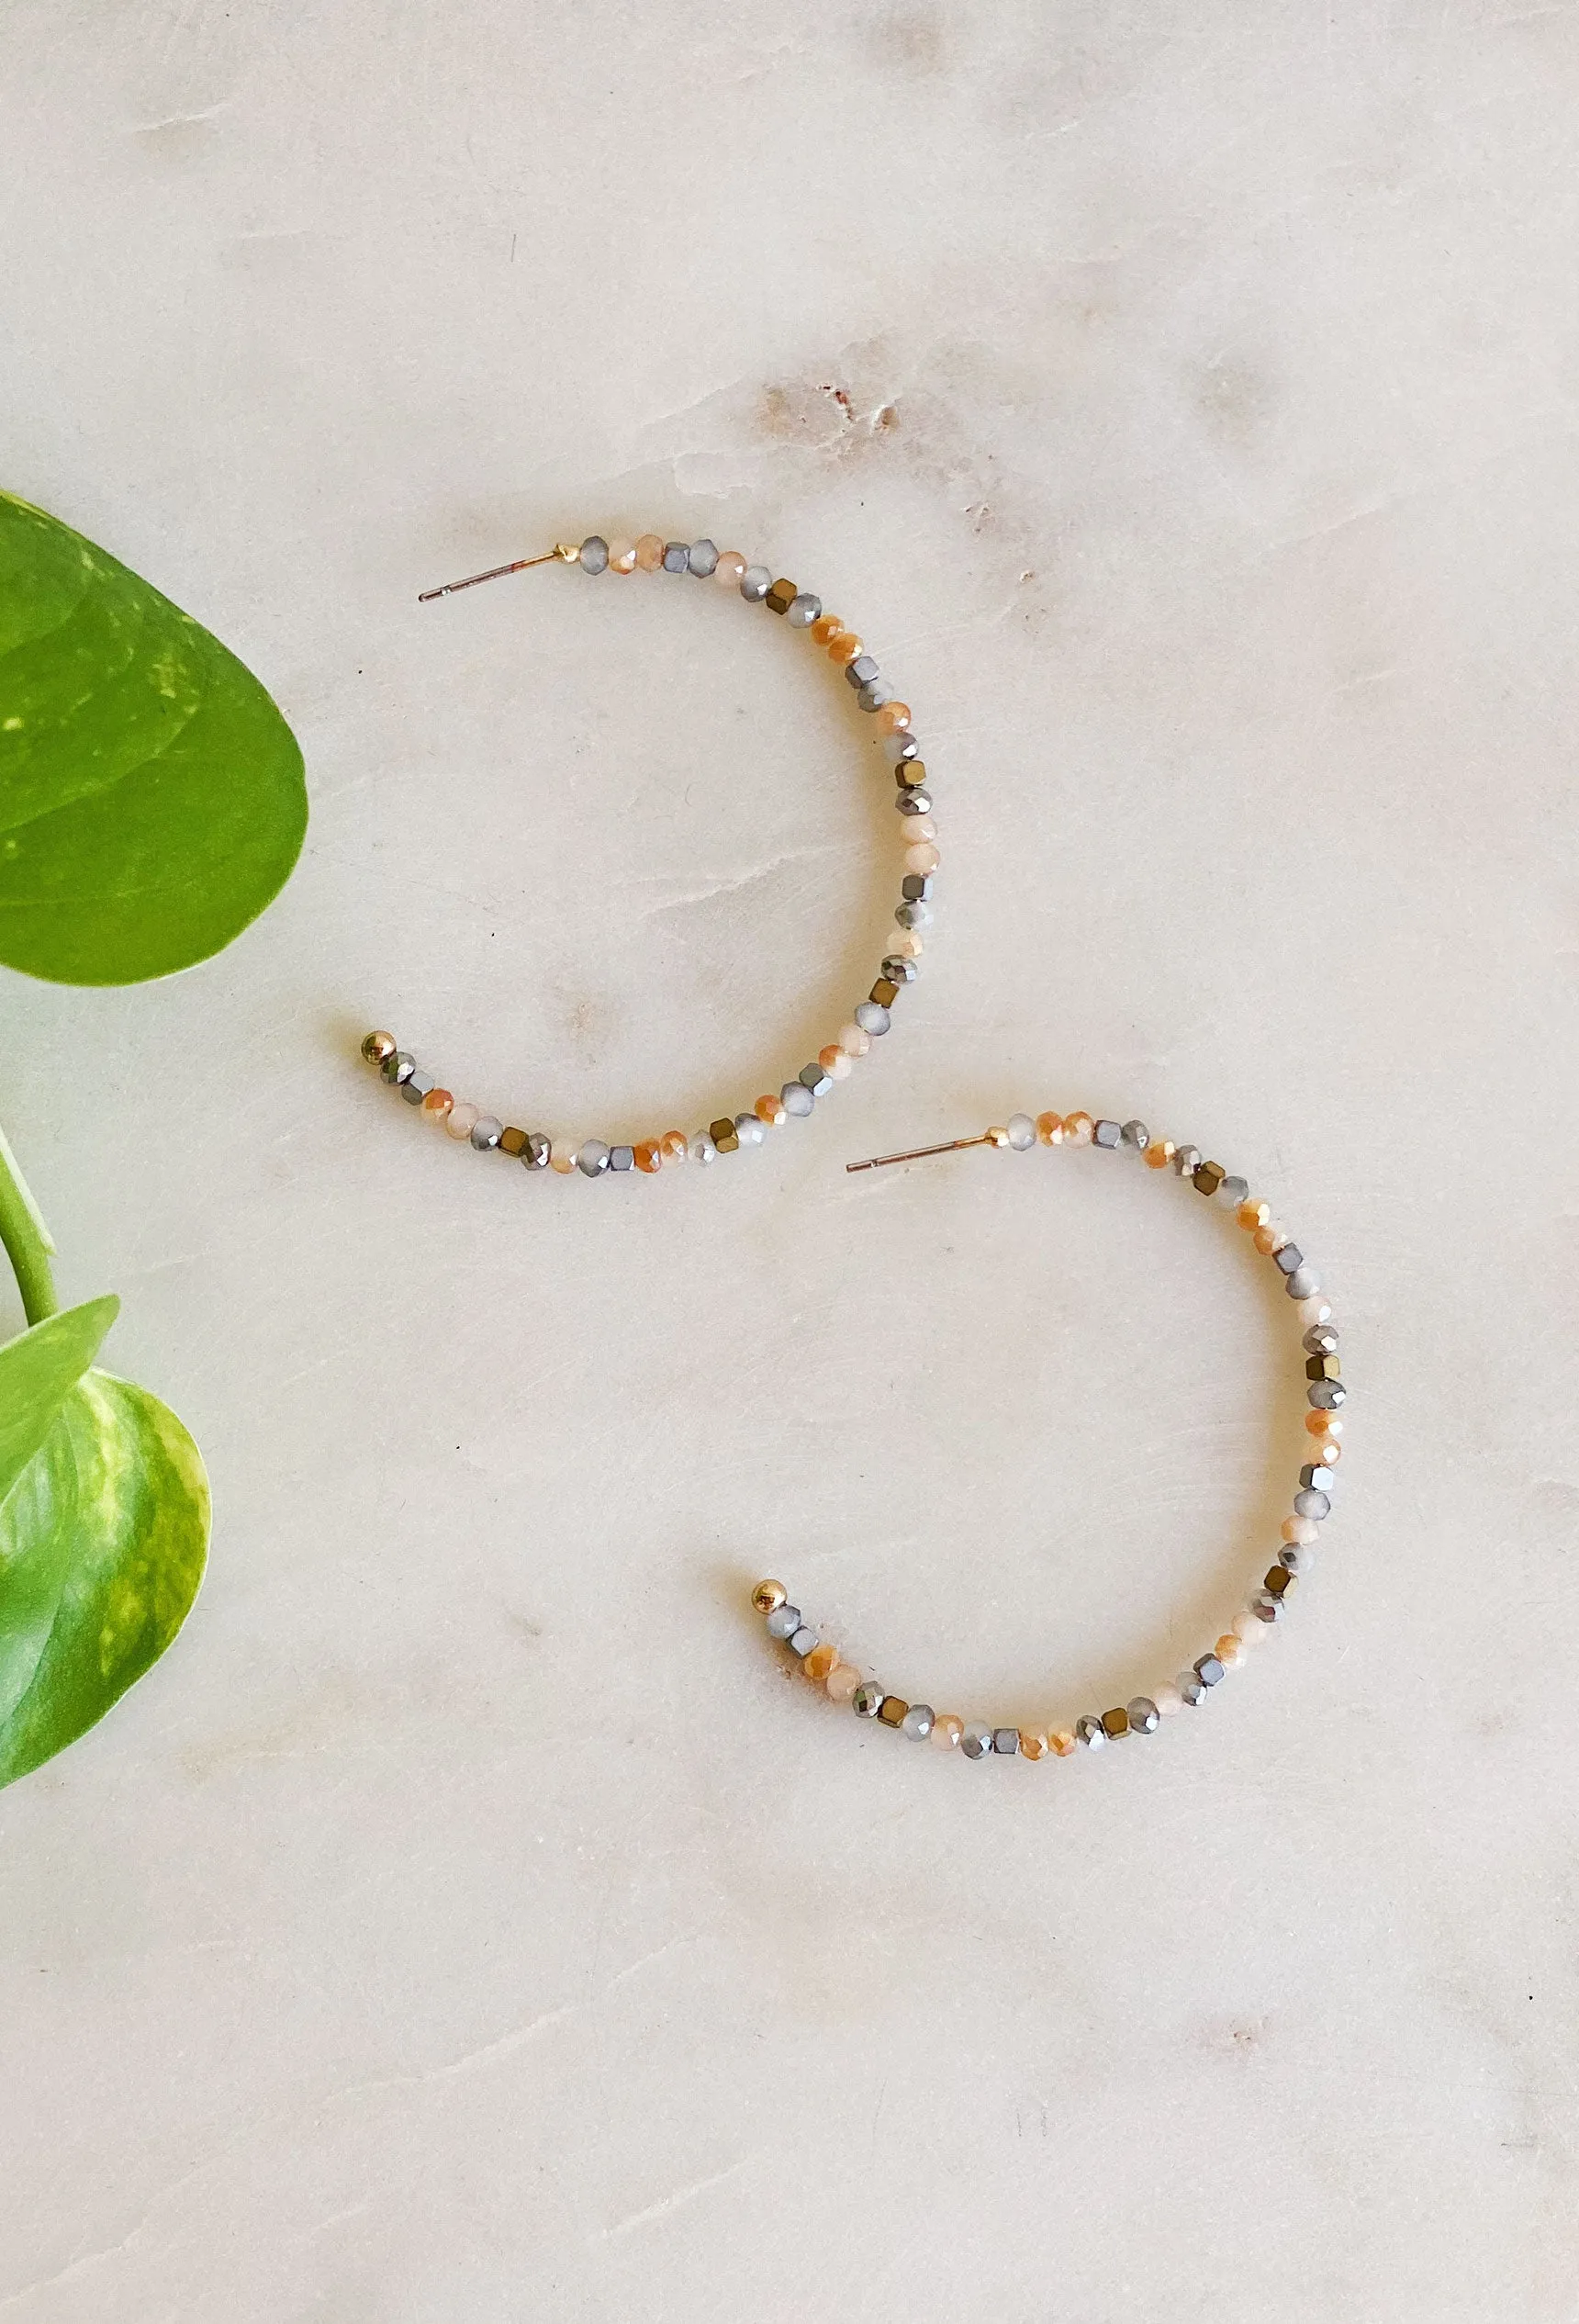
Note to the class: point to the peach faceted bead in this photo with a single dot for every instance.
(853, 1041)
(921, 857)
(1051, 1128)
(771, 1110)
(825, 630)
(844, 648)
(919, 827)
(436, 1105)
(947, 1731)
(1253, 1215)
(622, 556)
(1323, 1424)
(906, 943)
(1032, 1744)
(650, 553)
(729, 568)
(834, 1064)
(459, 1119)
(1230, 1650)
(562, 1156)
(1063, 1742)
(893, 718)
(649, 1155)
(1159, 1153)
(842, 1682)
(818, 1663)
(1300, 1528)
(674, 1146)
(1077, 1129)
(1270, 1238)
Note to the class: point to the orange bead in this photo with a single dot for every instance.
(1230, 1649)
(771, 1110)
(824, 631)
(436, 1105)
(1268, 1239)
(844, 648)
(1063, 1743)
(1253, 1215)
(893, 718)
(831, 1056)
(1323, 1424)
(674, 1146)
(1032, 1744)
(649, 1155)
(1329, 1454)
(819, 1662)
(1077, 1129)
(1051, 1128)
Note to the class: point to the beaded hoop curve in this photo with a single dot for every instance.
(870, 1018)
(820, 1660)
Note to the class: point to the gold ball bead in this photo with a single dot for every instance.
(997, 1135)
(769, 1596)
(378, 1046)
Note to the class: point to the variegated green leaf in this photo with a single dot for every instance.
(36, 1371)
(102, 1538)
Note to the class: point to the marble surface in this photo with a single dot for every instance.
(469, 1919)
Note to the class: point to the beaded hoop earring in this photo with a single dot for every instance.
(978, 1739)
(870, 1018)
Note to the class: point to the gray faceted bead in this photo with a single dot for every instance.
(677, 556)
(1186, 1162)
(1311, 1501)
(703, 559)
(1144, 1716)
(1233, 1191)
(1091, 1731)
(915, 915)
(899, 970)
(594, 557)
(621, 1157)
(784, 1621)
(702, 1149)
(976, 1741)
(398, 1068)
(1326, 1396)
(1320, 1340)
(914, 802)
(802, 610)
(867, 1700)
(1298, 1556)
(1136, 1137)
(1266, 1608)
(593, 1158)
(1210, 1671)
(1192, 1687)
(1315, 1477)
(872, 1018)
(755, 583)
(1107, 1135)
(813, 1078)
(916, 887)
(750, 1128)
(1304, 1283)
(1006, 1741)
(901, 747)
(873, 697)
(416, 1086)
(918, 1721)
(1290, 1257)
(801, 1640)
(537, 1150)
(797, 1099)
(861, 671)
(487, 1131)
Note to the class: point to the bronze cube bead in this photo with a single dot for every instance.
(885, 993)
(1323, 1367)
(782, 596)
(1209, 1177)
(512, 1142)
(910, 774)
(893, 1710)
(1115, 1722)
(725, 1137)
(1278, 1582)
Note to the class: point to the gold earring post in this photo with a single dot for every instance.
(562, 552)
(920, 1153)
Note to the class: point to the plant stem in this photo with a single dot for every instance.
(27, 1240)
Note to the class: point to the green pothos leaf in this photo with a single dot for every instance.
(104, 1533)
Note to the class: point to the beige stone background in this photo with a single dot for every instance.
(469, 1920)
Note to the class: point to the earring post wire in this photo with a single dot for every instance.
(561, 553)
(920, 1153)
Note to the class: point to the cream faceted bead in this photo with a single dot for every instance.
(622, 556)
(1250, 1629)
(459, 1121)
(853, 1041)
(649, 552)
(1316, 1310)
(1300, 1528)
(561, 1155)
(906, 944)
(947, 1732)
(1168, 1699)
(842, 1681)
(834, 1064)
(729, 568)
(917, 827)
(923, 857)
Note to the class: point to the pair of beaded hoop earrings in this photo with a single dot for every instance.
(817, 1658)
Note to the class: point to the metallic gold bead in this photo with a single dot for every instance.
(885, 993)
(1115, 1722)
(512, 1142)
(769, 1596)
(782, 596)
(567, 552)
(724, 1135)
(1323, 1367)
(377, 1047)
(1208, 1178)
(997, 1135)
(892, 1709)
